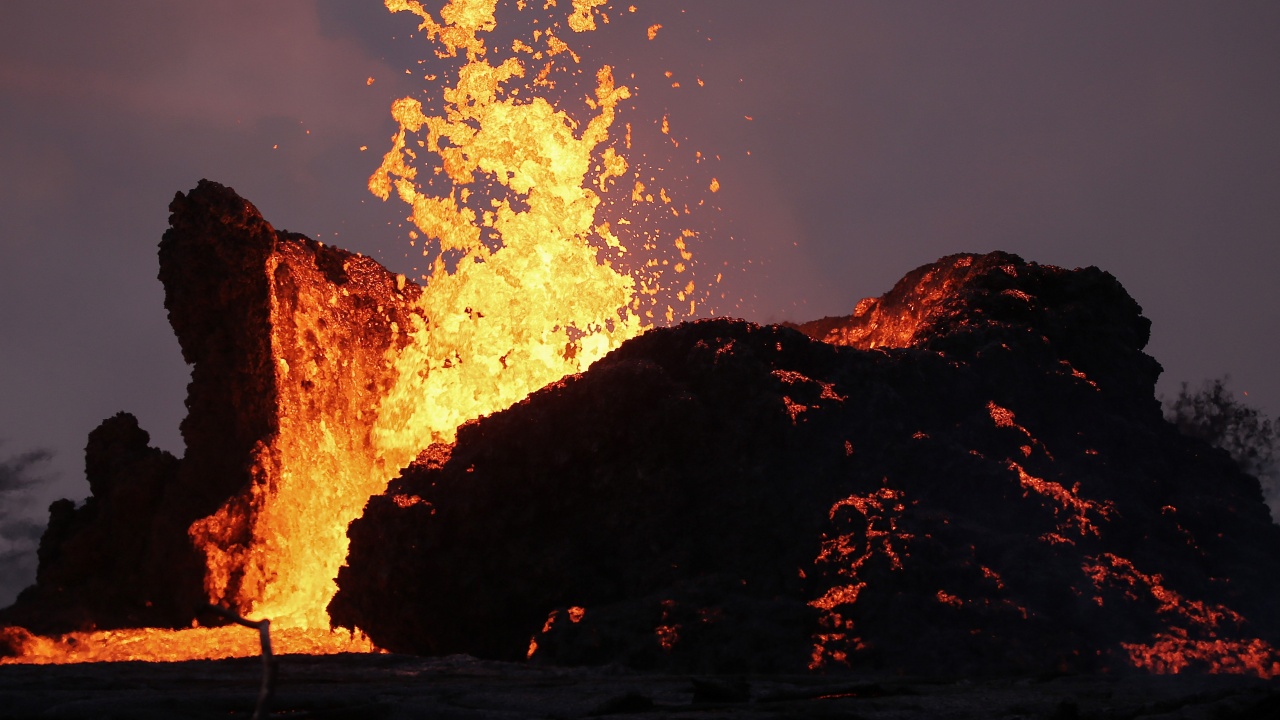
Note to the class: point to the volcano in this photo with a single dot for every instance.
(969, 475)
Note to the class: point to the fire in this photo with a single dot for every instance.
(523, 289)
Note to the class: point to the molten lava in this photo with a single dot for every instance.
(517, 297)
(722, 495)
(157, 645)
(363, 372)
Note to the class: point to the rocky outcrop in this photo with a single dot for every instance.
(990, 490)
(1082, 320)
(969, 475)
(287, 340)
(108, 563)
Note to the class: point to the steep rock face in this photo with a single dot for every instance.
(287, 340)
(995, 485)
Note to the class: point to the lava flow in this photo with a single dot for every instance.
(507, 462)
(362, 371)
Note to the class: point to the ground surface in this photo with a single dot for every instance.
(398, 686)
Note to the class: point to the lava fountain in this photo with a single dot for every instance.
(525, 303)
(508, 194)
(973, 462)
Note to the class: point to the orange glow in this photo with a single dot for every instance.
(1191, 637)
(583, 17)
(1172, 653)
(948, 599)
(803, 384)
(874, 537)
(668, 636)
(155, 645)
(1112, 570)
(1081, 514)
(506, 189)
(993, 576)
(838, 595)
(1001, 416)
(794, 409)
(526, 302)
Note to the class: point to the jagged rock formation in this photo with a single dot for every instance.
(992, 490)
(956, 305)
(107, 563)
(286, 338)
(288, 341)
(973, 463)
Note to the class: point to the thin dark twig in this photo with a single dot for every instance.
(263, 708)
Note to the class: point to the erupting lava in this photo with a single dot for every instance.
(525, 303)
(974, 462)
(522, 291)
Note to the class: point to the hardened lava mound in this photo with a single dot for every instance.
(970, 475)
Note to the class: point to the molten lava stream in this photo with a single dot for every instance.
(157, 645)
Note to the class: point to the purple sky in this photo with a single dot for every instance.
(1140, 137)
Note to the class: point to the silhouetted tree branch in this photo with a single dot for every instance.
(1214, 414)
(263, 708)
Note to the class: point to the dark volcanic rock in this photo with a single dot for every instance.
(991, 490)
(1083, 319)
(105, 563)
(274, 325)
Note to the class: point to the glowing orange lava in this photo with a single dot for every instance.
(154, 645)
(522, 291)
(874, 537)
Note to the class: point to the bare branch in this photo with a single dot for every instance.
(263, 708)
